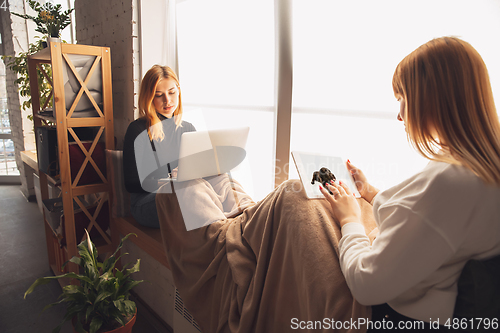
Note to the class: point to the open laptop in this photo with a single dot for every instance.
(204, 154)
(308, 163)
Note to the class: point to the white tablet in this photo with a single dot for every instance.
(308, 163)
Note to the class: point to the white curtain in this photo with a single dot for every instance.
(158, 42)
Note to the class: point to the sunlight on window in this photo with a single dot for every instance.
(226, 71)
(226, 52)
(8, 166)
(345, 53)
(344, 56)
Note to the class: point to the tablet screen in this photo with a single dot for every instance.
(308, 163)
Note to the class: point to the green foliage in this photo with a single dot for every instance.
(19, 64)
(102, 298)
(50, 20)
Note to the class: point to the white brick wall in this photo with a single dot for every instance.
(113, 23)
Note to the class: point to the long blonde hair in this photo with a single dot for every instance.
(146, 95)
(447, 91)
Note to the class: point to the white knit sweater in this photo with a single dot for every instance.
(429, 226)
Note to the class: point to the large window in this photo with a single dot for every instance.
(8, 165)
(345, 53)
(226, 69)
(229, 54)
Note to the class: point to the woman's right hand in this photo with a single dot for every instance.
(173, 174)
(365, 189)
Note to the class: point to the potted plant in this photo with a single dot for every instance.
(100, 303)
(19, 64)
(50, 19)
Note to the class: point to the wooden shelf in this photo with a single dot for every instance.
(51, 179)
(76, 122)
(47, 118)
(30, 158)
(43, 55)
(59, 57)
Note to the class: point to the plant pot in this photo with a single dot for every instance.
(54, 40)
(51, 40)
(122, 329)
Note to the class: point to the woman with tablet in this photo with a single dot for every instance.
(160, 117)
(433, 223)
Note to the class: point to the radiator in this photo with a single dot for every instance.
(183, 320)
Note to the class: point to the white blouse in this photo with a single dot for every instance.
(429, 226)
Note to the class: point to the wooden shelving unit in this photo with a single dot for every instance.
(58, 56)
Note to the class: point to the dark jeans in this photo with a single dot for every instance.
(143, 209)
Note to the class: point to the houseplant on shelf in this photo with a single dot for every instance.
(101, 302)
(19, 64)
(50, 19)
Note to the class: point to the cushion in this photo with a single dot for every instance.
(82, 64)
(479, 290)
(120, 206)
(76, 158)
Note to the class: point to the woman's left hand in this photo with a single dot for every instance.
(344, 205)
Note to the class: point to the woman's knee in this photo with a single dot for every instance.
(146, 214)
(293, 185)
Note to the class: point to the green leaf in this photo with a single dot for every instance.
(109, 264)
(130, 306)
(76, 260)
(119, 275)
(103, 296)
(121, 243)
(38, 282)
(72, 289)
(88, 312)
(95, 324)
(134, 268)
(120, 305)
(45, 280)
(129, 285)
(121, 320)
